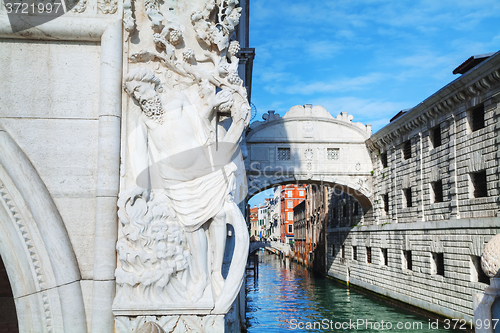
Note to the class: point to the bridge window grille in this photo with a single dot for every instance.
(478, 180)
(332, 154)
(383, 159)
(283, 154)
(437, 188)
(436, 136)
(386, 202)
(354, 253)
(407, 195)
(407, 260)
(343, 252)
(385, 257)
(438, 263)
(369, 255)
(407, 150)
(476, 118)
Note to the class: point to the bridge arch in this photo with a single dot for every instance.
(309, 146)
(36, 249)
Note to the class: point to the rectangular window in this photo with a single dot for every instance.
(356, 209)
(301, 193)
(386, 202)
(344, 210)
(283, 154)
(437, 189)
(384, 257)
(289, 194)
(407, 150)
(354, 253)
(332, 250)
(290, 216)
(435, 135)
(289, 204)
(290, 228)
(407, 260)
(343, 252)
(407, 195)
(477, 274)
(438, 264)
(369, 255)
(334, 213)
(383, 159)
(476, 118)
(332, 154)
(478, 180)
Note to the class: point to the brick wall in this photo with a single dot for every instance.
(429, 213)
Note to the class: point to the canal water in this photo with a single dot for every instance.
(289, 298)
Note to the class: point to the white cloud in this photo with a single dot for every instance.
(332, 86)
(367, 111)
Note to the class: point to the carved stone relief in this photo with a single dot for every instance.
(185, 176)
(108, 6)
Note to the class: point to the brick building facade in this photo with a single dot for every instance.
(310, 221)
(436, 200)
(291, 196)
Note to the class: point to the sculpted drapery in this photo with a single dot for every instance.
(188, 110)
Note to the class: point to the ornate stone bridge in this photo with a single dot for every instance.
(308, 145)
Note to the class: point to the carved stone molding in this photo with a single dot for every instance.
(32, 250)
(80, 7)
(183, 82)
(185, 323)
(108, 6)
(436, 106)
(25, 234)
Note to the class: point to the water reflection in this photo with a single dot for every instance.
(287, 297)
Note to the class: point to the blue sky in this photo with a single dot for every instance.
(370, 58)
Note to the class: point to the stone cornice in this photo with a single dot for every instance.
(472, 84)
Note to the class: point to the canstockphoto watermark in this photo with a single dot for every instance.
(371, 325)
(25, 14)
(356, 324)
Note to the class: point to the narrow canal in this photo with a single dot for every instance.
(287, 297)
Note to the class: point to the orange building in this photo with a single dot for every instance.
(291, 196)
(254, 221)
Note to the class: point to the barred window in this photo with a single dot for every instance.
(438, 263)
(354, 253)
(437, 188)
(407, 260)
(436, 136)
(386, 203)
(283, 154)
(385, 257)
(407, 195)
(332, 154)
(369, 255)
(383, 159)
(407, 150)
(477, 272)
(478, 180)
(476, 118)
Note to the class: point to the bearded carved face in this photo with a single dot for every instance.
(148, 98)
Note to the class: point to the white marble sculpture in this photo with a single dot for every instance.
(188, 110)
